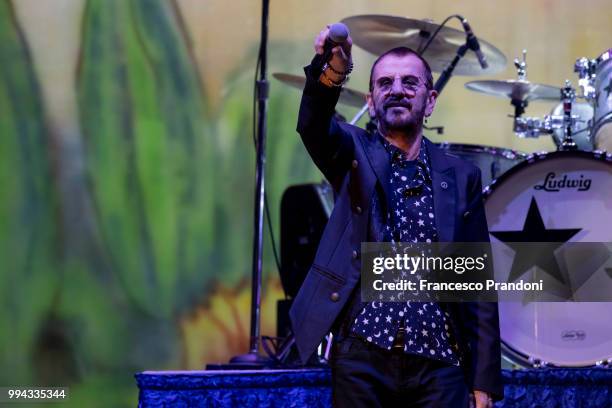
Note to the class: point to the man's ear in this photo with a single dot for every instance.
(432, 97)
(370, 103)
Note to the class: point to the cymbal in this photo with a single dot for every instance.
(516, 89)
(379, 33)
(348, 96)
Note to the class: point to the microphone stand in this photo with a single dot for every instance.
(445, 76)
(253, 359)
(471, 43)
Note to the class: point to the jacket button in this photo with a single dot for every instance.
(444, 185)
(355, 254)
(466, 214)
(335, 296)
(355, 164)
(358, 209)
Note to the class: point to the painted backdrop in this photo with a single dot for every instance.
(127, 167)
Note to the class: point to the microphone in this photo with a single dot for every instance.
(338, 33)
(473, 44)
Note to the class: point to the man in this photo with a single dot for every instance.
(393, 185)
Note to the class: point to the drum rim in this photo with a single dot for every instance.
(514, 355)
(605, 119)
(542, 156)
(525, 360)
(493, 150)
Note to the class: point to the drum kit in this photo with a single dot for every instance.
(534, 334)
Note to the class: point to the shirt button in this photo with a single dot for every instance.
(444, 185)
(355, 254)
(355, 164)
(358, 209)
(335, 296)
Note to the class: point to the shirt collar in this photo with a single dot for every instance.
(422, 160)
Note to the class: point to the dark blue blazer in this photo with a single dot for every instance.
(357, 165)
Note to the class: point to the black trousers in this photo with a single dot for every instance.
(364, 375)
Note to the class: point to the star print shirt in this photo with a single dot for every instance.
(427, 332)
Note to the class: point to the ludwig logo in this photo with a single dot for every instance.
(552, 183)
(573, 335)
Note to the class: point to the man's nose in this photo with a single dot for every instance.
(397, 87)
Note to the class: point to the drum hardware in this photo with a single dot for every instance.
(531, 127)
(379, 33)
(520, 92)
(359, 114)
(521, 71)
(568, 95)
(517, 90)
(599, 154)
(585, 69)
(537, 363)
(534, 127)
(439, 129)
(532, 157)
(582, 130)
(521, 67)
(604, 363)
(584, 126)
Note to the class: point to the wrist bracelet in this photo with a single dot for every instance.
(347, 72)
(334, 83)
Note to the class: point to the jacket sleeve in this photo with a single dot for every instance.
(481, 319)
(329, 145)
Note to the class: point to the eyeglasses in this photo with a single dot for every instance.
(409, 83)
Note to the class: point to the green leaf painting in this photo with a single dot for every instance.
(146, 263)
(149, 152)
(29, 280)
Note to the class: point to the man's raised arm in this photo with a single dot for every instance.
(330, 146)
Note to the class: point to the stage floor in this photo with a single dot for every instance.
(554, 388)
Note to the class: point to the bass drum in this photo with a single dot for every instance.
(492, 161)
(571, 190)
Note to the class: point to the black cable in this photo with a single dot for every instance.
(254, 107)
(435, 33)
(272, 240)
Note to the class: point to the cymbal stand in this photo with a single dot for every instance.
(520, 104)
(359, 114)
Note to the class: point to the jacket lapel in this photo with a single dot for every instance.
(379, 160)
(444, 185)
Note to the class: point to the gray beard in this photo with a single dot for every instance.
(409, 126)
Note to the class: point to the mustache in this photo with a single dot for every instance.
(394, 102)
